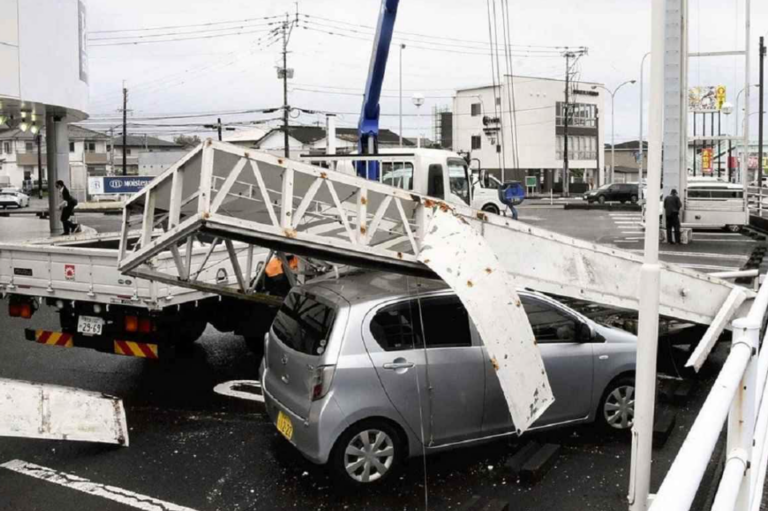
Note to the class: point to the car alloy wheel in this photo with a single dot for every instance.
(601, 199)
(369, 455)
(619, 406)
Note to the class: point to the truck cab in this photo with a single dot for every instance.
(485, 192)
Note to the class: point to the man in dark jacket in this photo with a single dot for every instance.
(67, 205)
(672, 206)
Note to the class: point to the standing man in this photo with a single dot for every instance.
(672, 206)
(67, 204)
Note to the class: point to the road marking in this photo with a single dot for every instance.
(241, 389)
(80, 484)
(627, 241)
(632, 232)
(704, 255)
(727, 240)
(633, 215)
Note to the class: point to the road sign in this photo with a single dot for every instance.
(531, 181)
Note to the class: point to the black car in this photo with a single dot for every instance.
(621, 192)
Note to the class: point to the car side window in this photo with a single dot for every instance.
(435, 186)
(549, 324)
(442, 320)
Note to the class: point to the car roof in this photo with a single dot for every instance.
(365, 286)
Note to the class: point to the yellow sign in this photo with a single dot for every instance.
(720, 96)
(706, 159)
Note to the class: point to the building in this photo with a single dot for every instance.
(627, 156)
(482, 129)
(245, 137)
(43, 83)
(88, 156)
(138, 145)
(312, 140)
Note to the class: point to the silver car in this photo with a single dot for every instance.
(366, 370)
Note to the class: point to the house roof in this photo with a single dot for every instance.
(311, 134)
(74, 132)
(631, 145)
(144, 141)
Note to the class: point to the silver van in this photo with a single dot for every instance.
(366, 370)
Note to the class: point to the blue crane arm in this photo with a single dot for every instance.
(368, 127)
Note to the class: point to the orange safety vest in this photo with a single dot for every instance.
(275, 266)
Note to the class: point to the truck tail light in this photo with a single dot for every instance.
(20, 310)
(131, 324)
(145, 325)
(321, 381)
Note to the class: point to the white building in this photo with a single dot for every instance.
(88, 155)
(482, 128)
(312, 140)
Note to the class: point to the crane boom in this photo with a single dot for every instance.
(368, 126)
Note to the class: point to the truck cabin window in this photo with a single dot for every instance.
(458, 178)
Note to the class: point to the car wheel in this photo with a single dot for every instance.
(369, 452)
(617, 408)
(733, 228)
(633, 199)
(601, 199)
(491, 208)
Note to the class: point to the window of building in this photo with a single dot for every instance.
(7, 147)
(71, 147)
(29, 147)
(476, 109)
(476, 142)
(128, 151)
(498, 101)
(90, 147)
(581, 115)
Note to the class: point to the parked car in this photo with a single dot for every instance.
(621, 192)
(13, 197)
(346, 371)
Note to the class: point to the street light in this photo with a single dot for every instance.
(418, 100)
(738, 99)
(640, 138)
(402, 47)
(613, 122)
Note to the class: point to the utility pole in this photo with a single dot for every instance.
(219, 128)
(125, 129)
(566, 115)
(38, 138)
(111, 151)
(285, 86)
(402, 47)
(761, 114)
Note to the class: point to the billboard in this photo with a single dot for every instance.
(706, 158)
(706, 98)
(123, 185)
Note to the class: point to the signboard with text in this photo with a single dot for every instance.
(122, 185)
(706, 158)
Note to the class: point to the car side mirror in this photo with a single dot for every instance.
(585, 333)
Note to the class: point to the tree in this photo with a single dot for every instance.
(186, 141)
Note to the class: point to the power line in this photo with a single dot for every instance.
(171, 34)
(170, 27)
(195, 38)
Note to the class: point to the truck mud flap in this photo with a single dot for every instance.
(52, 412)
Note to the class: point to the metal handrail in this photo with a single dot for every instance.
(736, 395)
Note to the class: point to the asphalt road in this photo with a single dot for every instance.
(194, 448)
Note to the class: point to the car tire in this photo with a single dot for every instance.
(491, 208)
(617, 407)
(601, 199)
(385, 450)
(733, 228)
(633, 199)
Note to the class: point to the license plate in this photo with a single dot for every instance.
(89, 325)
(284, 425)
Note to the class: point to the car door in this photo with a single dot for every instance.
(568, 361)
(389, 333)
(455, 371)
(438, 388)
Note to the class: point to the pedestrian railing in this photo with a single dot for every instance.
(757, 198)
(736, 397)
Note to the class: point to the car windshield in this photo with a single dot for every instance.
(458, 178)
(303, 323)
(605, 186)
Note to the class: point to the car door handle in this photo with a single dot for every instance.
(398, 365)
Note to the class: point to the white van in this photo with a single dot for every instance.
(715, 204)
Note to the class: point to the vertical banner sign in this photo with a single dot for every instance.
(83, 43)
(706, 158)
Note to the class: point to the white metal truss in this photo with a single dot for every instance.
(222, 192)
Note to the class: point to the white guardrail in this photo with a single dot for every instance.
(757, 198)
(737, 396)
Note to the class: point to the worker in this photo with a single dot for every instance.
(67, 204)
(672, 206)
(276, 282)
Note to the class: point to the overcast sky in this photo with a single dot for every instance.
(238, 72)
